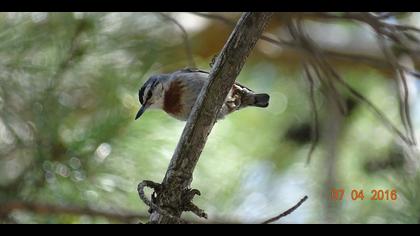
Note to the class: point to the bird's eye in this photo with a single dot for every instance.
(141, 92)
(149, 95)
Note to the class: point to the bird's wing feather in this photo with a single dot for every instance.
(242, 86)
(194, 70)
(206, 72)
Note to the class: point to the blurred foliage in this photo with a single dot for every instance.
(68, 97)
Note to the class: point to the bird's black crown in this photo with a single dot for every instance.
(153, 80)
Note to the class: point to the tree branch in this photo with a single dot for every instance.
(119, 215)
(42, 208)
(288, 212)
(175, 194)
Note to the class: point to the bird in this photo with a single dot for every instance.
(176, 93)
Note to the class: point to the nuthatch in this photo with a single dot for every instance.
(176, 94)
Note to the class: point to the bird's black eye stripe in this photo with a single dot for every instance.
(152, 86)
(149, 94)
(152, 82)
(141, 93)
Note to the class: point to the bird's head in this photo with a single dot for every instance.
(151, 94)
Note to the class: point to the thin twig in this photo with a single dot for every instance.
(374, 62)
(184, 37)
(407, 112)
(288, 212)
(367, 18)
(371, 106)
(317, 51)
(402, 89)
(322, 63)
(315, 122)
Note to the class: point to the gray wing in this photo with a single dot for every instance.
(192, 81)
(192, 70)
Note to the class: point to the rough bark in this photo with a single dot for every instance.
(174, 195)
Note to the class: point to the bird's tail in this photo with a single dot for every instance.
(261, 100)
(242, 98)
(247, 97)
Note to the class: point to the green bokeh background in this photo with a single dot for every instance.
(68, 97)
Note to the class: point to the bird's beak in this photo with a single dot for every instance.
(141, 111)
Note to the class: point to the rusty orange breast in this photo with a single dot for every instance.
(172, 100)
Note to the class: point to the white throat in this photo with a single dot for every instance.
(160, 98)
